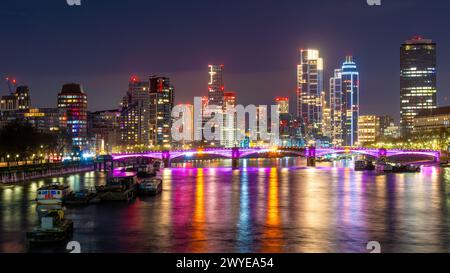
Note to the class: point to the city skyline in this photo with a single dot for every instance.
(184, 64)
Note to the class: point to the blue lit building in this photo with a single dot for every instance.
(344, 104)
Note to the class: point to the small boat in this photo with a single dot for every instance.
(384, 167)
(52, 194)
(151, 185)
(364, 165)
(406, 169)
(53, 228)
(118, 188)
(149, 179)
(80, 198)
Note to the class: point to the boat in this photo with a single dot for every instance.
(53, 228)
(384, 167)
(118, 188)
(149, 178)
(149, 184)
(80, 198)
(364, 165)
(52, 194)
(406, 169)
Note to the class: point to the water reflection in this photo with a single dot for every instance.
(266, 206)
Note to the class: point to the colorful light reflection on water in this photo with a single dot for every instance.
(269, 205)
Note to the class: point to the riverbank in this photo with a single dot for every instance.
(13, 176)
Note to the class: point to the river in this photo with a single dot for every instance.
(269, 205)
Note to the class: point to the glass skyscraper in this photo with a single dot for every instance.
(417, 80)
(309, 90)
(344, 104)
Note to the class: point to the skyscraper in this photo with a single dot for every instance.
(336, 110)
(216, 86)
(161, 104)
(344, 104)
(229, 136)
(135, 115)
(309, 89)
(417, 80)
(72, 103)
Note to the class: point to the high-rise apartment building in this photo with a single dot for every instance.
(161, 105)
(135, 115)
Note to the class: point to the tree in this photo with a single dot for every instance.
(22, 139)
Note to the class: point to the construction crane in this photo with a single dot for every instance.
(11, 84)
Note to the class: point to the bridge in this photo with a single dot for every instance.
(311, 153)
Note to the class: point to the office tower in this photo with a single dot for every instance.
(432, 123)
(229, 136)
(344, 104)
(216, 86)
(369, 128)
(417, 80)
(72, 103)
(309, 89)
(161, 104)
(283, 105)
(135, 116)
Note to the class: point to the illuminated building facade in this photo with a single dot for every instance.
(72, 103)
(432, 122)
(43, 119)
(19, 100)
(229, 136)
(369, 129)
(309, 90)
(336, 108)
(216, 86)
(344, 104)
(283, 105)
(161, 104)
(417, 80)
(135, 115)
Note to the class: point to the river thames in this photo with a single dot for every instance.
(269, 205)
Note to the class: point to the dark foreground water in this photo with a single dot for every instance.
(267, 206)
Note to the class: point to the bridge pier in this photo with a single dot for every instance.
(166, 159)
(311, 157)
(235, 158)
(382, 155)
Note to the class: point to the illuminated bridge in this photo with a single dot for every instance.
(310, 153)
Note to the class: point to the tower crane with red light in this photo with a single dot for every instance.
(11, 84)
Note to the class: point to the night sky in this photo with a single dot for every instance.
(100, 44)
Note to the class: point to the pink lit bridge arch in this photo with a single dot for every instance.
(238, 153)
